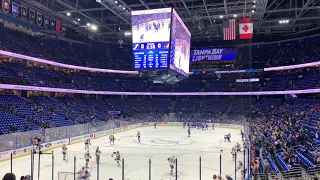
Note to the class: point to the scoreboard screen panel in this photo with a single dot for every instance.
(180, 45)
(151, 38)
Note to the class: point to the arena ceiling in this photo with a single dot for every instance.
(203, 17)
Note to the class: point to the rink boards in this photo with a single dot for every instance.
(6, 155)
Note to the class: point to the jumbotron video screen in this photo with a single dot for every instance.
(150, 38)
(160, 41)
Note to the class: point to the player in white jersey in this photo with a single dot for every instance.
(238, 147)
(138, 135)
(84, 174)
(172, 162)
(116, 156)
(87, 157)
(233, 152)
(98, 153)
(112, 138)
(87, 143)
(64, 152)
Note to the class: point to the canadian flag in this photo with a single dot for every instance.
(246, 28)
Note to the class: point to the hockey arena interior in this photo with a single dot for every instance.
(160, 90)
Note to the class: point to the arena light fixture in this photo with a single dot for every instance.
(287, 21)
(280, 22)
(252, 11)
(221, 16)
(68, 14)
(79, 19)
(124, 8)
(127, 33)
(235, 15)
(88, 24)
(116, 2)
(94, 27)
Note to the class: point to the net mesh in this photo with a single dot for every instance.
(66, 176)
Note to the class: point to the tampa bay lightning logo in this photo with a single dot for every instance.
(135, 46)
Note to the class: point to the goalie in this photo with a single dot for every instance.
(83, 174)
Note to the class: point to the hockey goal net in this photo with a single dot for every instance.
(67, 176)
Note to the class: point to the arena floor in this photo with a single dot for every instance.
(156, 144)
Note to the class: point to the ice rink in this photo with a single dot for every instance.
(156, 144)
(162, 35)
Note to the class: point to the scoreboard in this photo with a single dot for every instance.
(160, 41)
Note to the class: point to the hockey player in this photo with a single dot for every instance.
(87, 143)
(227, 137)
(233, 152)
(184, 125)
(64, 152)
(206, 126)
(212, 126)
(87, 157)
(112, 138)
(116, 156)
(138, 135)
(155, 125)
(98, 153)
(189, 132)
(84, 174)
(172, 161)
(242, 136)
(238, 147)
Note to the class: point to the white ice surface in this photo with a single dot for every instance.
(156, 144)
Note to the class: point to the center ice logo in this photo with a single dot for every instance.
(171, 141)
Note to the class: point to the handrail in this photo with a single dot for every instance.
(29, 58)
(49, 89)
(11, 54)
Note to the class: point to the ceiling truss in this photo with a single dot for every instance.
(203, 17)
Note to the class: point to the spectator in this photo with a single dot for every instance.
(9, 176)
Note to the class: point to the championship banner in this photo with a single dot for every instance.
(6, 6)
(39, 19)
(46, 21)
(58, 27)
(52, 25)
(32, 15)
(64, 29)
(15, 9)
(24, 13)
(213, 54)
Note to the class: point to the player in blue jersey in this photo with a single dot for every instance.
(189, 132)
(242, 136)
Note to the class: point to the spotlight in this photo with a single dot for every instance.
(68, 14)
(254, 6)
(280, 22)
(287, 21)
(221, 16)
(79, 19)
(116, 2)
(252, 11)
(124, 8)
(88, 24)
(93, 27)
(235, 15)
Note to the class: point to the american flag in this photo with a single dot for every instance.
(229, 29)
